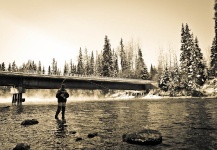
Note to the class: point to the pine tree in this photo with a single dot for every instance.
(54, 67)
(66, 69)
(213, 56)
(80, 66)
(186, 48)
(39, 67)
(3, 67)
(91, 64)
(145, 74)
(43, 71)
(98, 64)
(9, 67)
(14, 67)
(198, 65)
(164, 80)
(123, 57)
(107, 59)
(140, 66)
(49, 70)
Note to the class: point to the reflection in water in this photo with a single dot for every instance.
(18, 109)
(199, 134)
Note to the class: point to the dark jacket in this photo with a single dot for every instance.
(60, 97)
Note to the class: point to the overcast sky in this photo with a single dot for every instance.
(46, 29)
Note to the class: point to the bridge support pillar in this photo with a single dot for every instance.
(17, 95)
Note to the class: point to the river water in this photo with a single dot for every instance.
(183, 123)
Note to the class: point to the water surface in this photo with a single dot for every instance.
(184, 124)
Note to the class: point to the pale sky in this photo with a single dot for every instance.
(46, 29)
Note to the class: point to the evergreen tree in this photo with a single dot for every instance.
(14, 67)
(0, 67)
(107, 59)
(66, 69)
(54, 67)
(39, 68)
(145, 74)
(91, 64)
(98, 64)
(186, 48)
(198, 65)
(71, 68)
(3, 67)
(43, 71)
(49, 70)
(174, 84)
(80, 66)
(140, 66)
(123, 57)
(164, 80)
(9, 67)
(213, 56)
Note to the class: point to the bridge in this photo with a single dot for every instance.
(22, 81)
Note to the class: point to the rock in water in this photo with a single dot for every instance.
(92, 135)
(22, 146)
(78, 139)
(29, 122)
(144, 137)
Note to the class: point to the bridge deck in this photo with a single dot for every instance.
(36, 81)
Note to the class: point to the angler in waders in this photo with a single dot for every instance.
(62, 96)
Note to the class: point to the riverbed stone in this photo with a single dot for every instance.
(143, 137)
(29, 122)
(72, 132)
(22, 146)
(78, 139)
(92, 135)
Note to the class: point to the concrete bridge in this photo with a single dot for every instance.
(22, 81)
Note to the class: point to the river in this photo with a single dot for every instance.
(183, 123)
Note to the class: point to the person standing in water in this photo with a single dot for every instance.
(62, 96)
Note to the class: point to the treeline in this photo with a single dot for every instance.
(125, 61)
(189, 73)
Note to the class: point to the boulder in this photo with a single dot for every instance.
(4, 108)
(78, 139)
(29, 122)
(144, 137)
(22, 146)
(72, 132)
(92, 135)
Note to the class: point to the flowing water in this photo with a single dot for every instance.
(183, 123)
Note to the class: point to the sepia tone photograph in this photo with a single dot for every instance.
(108, 74)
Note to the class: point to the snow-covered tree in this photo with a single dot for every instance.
(66, 69)
(80, 66)
(91, 70)
(107, 59)
(164, 80)
(145, 75)
(213, 56)
(39, 68)
(14, 67)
